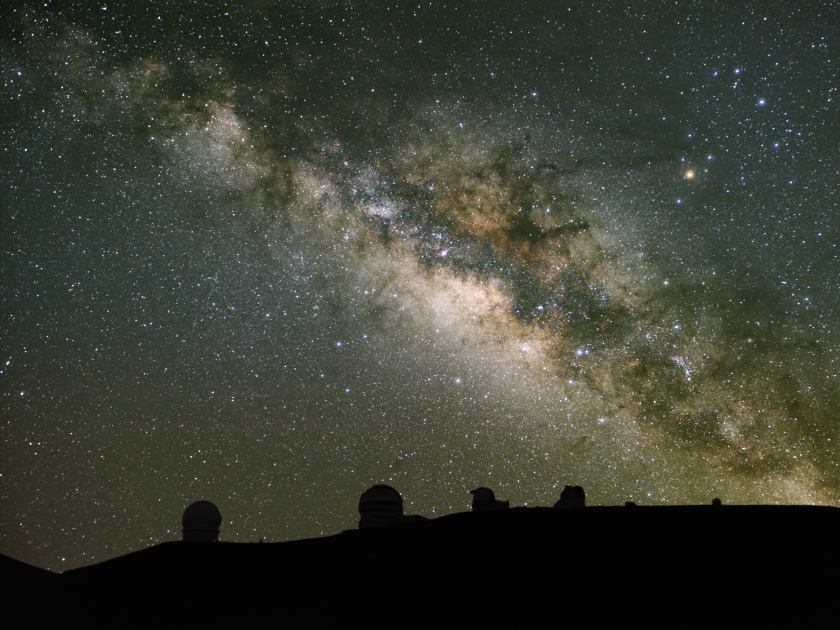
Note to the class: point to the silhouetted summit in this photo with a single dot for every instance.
(668, 556)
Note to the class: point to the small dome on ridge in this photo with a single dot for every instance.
(201, 522)
(379, 506)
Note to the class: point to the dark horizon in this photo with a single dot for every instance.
(384, 526)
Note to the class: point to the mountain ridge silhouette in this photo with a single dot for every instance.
(597, 556)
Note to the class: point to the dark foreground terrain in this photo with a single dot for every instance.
(607, 563)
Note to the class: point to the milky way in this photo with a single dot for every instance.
(271, 255)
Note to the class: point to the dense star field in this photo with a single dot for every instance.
(269, 255)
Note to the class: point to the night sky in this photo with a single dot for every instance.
(271, 253)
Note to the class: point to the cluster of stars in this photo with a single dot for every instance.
(271, 255)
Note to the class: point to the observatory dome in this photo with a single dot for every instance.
(379, 506)
(201, 522)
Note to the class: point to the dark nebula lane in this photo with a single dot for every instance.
(271, 253)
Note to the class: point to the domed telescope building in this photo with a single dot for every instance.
(572, 497)
(485, 501)
(201, 522)
(380, 506)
